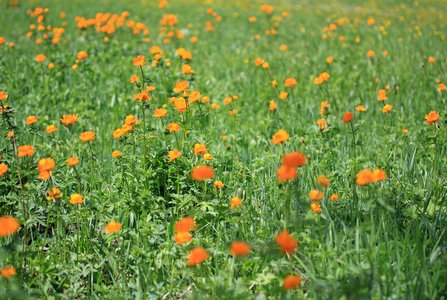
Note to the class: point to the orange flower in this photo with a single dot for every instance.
(158, 113)
(323, 181)
(214, 106)
(3, 169)
(286, 173)
(174, 127)
(224, 137)
(31, 120)
(387, 108)
(274, 83)
(69, 119)
(280, 137)
(50, 66)
(54, 193)
(364, 177)
(25, 150)
(360, 108)
(334, 197)
(50, 129)
(200, 149)
(180, 104)
(294, 159)
(40, 57)
(112, 226)
(289, 82)
(370, 53)
(139, 61)
(371, 21)
(382, 95)
(283, 47)
(322, 123)
(45, 164)
(272, 105)
(348, 117)
(81, 55)
(316, 195)
(441, 87)
(194, 96)
(76, 199)
(324, 104)
(218, 184)
(116, 154)
(173, 155)
(201, 173)
(378, 175)
(186, 69)
(286, 242)
(205, 99)
(233, 112)
(197, 256)
(8, 225)
(291, 282)
(259, 61)
(45, 175)
(87, 136)
(316, 208)
(182, 237)
(185, 224)
(134, 78)
(72, 161)
(181, 86)
(228, 100)
(3, 96)
(207, 156)
(324, 76)
(431, 59)
(130, 120)
(329, 59)
(239, 249)
(404, 130)
(283, 95)
(235, 201)
(8, 271)
(432, 117)
(318, 80)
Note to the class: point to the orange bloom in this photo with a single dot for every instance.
(45, 164)
(76, 199)
(239, 249)
(182, 237)
(283, 95)
(72, 161)
(259, 61)
(286, 242)
(69, 119)
(54, 193)
(8, 225)
(382, 95)
(228, 100)
(116, 154)
(181, 86)
(201, 173)
(378, 175)
(316, 195)
(8, 271)
(334, 197)
(233, 112)
(186, 69)
(324, 76)
(158, 113)
(432, 117)
(31, 120)
(431, 59)
(348, 117)
(272, 105)
(441, 87)
(235, 201)
(205, 99)
(364, 177)
(224, 137)
(134, 78)
(387, 108)
(286, 173)
(324, 104)
(207, 156)
(45, 175)
(274, 83)
(40, 57)
(194, 96)
(318, 80)
(291, 282)
(81, 55)
(25, 150)
(360, 108)
(280, 137)
(200, 149)
(87, 136)
(130, 120)
(294, 159)
(197, 256)
(174, 127)
(185, 224)
(180, 104)
(329, 59)
(323, 181)
(404, 130)
(370, 53)
(139, 61)
(371, 21)
(173, 155)
(289, 82)
(3, 169)
(218, 184)
(214, 106)
(3, 96)
(316, 208)
(112, 226)
(322, 123)
(50, 129)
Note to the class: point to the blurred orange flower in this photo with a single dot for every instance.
(286, 242)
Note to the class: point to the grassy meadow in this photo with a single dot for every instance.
(223, 149)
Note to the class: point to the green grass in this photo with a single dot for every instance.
(382, 240)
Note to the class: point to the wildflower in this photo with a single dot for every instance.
(181, 86)
(324, 76)
(334, 197)
(45, 164)
(364, 177)
(370, 53)
(228, 100)
(31, 120)
(182, 237)
(404, 130)
(218, 184)
(8, 271)
(180, 104)
(318, 80)
(186, 69)
(173, 127)
(3, 169)
(283, 95)
(259, 61)
(322, 123)
(50, 129)
(74, 67)
(3, 96)
(272, 105)
(280, 137)
(205, 99)
(371, 21)
(235, 201)
(201, 173)
(8, 225)
(294, 159)
(197, 256)
(432, 117)
(315, 195)
(265, 66)
(286, 173)
(139, 61)
(360, 108)
(291, 282)
(322, 111)
(214, 106)
(239, 249)
(54, 193)
(69, 119)
(116, 154)
(382, 95)
(81, 55)
(233, 112)
(200, 149)
(87, 136)
(348, 117)
(378, 175)
(173, 155)
(112, 226)
(316, 208)
(72, 161)
(25, 150)
(185, 224)
(323, 181)
(283, 47)
(274, 83)
(385, 53)
(329, 59)
(387, 108)
(76, 199)
(194, 96)
(158, 113)
(441, 87)
(40, 57)
(207, 156)
(286, 242)
(130, 120)
(289, 82)
(431, 59)
(50, 66)
(134, 78)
